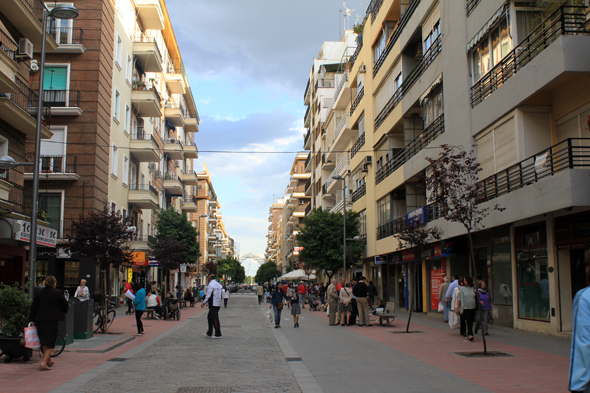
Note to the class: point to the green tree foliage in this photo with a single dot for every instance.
(233, 268)
(322, 240)
(288, 269)
(173, 225)
(267, 271)
(15, 307)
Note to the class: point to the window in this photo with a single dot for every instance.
(496, 149)
(50, 203)
(129, 68)
(526, 22)
(56, 146)
(384, 210)
(127, 124)
(432, 36)
(363, 223)
(124, 213)
(115, 161)
(55, 85)
(118, 51)
(490, 50)
(117, 104)
(113, 207)
(432, 105)
(382, 39)
(3, 146)
(125, 170)
(390, 85)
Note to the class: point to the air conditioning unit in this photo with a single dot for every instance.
(368, 160)
(157, 174)
(153, 167)
(419, 52)
(171, 140)
(362, 68)
(25, 48)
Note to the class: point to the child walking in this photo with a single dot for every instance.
(295, 309)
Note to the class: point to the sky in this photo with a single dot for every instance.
(248, 63)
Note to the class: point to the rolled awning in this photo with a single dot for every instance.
(488, 26)
(436, 83)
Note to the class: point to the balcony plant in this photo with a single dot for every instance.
(42, 215)
(15, 307)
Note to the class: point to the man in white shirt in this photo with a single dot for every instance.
(213, 301)
(153, 302)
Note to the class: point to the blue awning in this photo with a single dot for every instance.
(488, 26)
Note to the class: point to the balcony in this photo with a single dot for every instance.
(173, 184)
(190, 149)
(144, 196)
(357, 145)
(69, 39)
(307, 117)
(139, 243)
(189, 177)
(63, 102)
(175, 114)
(8, 64)
(342, 90)
(359, 193)
(175, 83)
(174, 149)
(146, 50)
(470, 6)
(412, 77)
(434, 129)
(20, 111)
(189, 203)
(391, 228)
(191, 123)
(307, 140)
(27, 17)
(308, 187)
(357, 100)
(143, 147)
(63, 168)
(15, 198)
(146, 100)
(307, 94)
(565, 21)
(150, 14)
(337, 208)
(342, 167)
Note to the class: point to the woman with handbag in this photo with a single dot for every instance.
(345, 304)
(48, 308)
(276, 300)
(466, 305)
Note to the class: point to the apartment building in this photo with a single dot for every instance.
(503, 76)
(273, 246)
(21, 32)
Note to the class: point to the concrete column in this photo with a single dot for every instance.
(553, 275)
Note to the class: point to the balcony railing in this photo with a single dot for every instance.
(391, 228)
(359, 192)
(7, 45)
(569, 154)
(27, 100)
(61, 98)
(307, 185)
(434, 129)
(36, 7)
(344, 161)
(355, 55)
(144, 187)
(470, 6)
(308, 209)
(141, 135)
(357, 145)
(407, 84)
(567, 20)
(189, 197)
(67, 35)
(395, 36)
(375, 6)
(343, 80)
(21, 199)
(342, 124)
(145, 86)
(305, 139)
(324, 83)
(357, 100)
(54, 164)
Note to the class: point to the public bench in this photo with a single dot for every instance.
(388, 313)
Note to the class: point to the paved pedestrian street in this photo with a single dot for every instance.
(255, 357)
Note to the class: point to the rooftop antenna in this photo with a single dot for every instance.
(347, 12)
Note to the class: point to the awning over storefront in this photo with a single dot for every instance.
(487, 27)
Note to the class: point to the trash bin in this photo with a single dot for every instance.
(66, 328)
(83, 323)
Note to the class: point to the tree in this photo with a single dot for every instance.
(288, 269)
(170, 252)
(416, 237)
(321, 235)
(101, 236)
(452, 182)
(172, 224)
(232, 267)
(211, 267)
(266, 272)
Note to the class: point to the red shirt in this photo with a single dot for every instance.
(302, 289)
(285, 289)
(338, 287)
(128, 287)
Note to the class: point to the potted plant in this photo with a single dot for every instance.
(15, 307)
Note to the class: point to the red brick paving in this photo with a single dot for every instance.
(20, 376)
(526, 371)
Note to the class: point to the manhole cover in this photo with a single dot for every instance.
(294, 359)
(117, 359)
(204, 390)
(404, 332)
(490, 354)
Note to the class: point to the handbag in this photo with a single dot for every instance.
(32, 338)
(280, 306)
(441, 308)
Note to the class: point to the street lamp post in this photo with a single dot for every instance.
(63, 12)
(338, 177)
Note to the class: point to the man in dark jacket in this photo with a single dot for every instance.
(372, 294)
(361, 291)
(48, 308)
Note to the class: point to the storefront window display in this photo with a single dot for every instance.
(41, 271)
(501, 274)
(533, 285)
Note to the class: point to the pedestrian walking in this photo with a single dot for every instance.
(213, 301)
(225, 296)
(345, 306)
(302, 293)
(48, 308)
(322, 293)
(579, 374)
(139, 303)
(277, 299)
(466, 305)
(454, 308)
(454, 284)
(485, 306)
(372, 293)
(332, 302)
(442, 292)
(295, 309)
(128, 287)
(260, 293)
(82, 292)
(361, 292)
(154, 288)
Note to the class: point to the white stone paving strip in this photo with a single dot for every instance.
(305, 379)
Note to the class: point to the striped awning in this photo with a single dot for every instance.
(488, 26)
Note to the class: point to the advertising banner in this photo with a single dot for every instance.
(45, 236)
(437, 275)
(139, 258)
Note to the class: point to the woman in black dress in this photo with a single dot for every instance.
(49, 307)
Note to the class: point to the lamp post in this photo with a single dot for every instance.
(338, 177)
(199, 259)
(63, 12)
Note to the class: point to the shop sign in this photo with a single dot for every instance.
(297, 249)
(45, 236)
(437, 275)
(183, 268)
(395, 258)
(153, 263)
(139, 259)
(416, 217)
(408, 256)
(541, 162)
(426, 253)
(380, 260)
(437, 250)
(129, 275)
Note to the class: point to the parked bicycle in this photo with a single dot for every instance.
(60, 344)
(102, 321)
